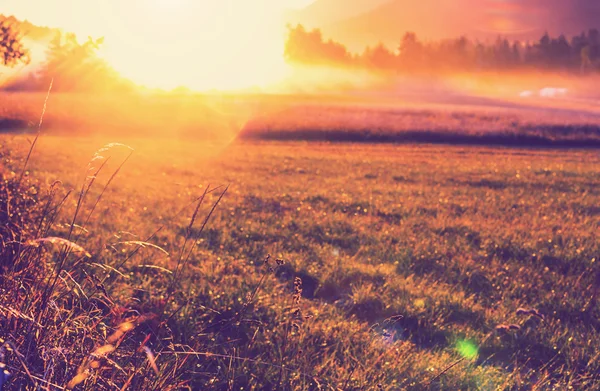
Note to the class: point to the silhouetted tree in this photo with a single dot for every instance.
(308, 47)
(412, 52)
(516, 53)
(594, 44)
(379, 57)
(561, 52)
(452, 55)
(77, 67)
(586, 62)
(12, 50)
(586, 49)
(460, 53)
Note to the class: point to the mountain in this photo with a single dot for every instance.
(387, 21)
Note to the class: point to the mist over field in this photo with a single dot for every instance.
(353, 107)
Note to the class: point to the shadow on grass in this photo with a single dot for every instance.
(8, 125)
(526, 350)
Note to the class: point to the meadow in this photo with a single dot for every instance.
(392, 266)
(447, 116)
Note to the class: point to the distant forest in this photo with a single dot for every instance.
(579, 54)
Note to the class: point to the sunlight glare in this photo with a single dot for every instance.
(229, 44)
(199, 44)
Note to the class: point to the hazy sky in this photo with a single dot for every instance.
(240, 43)
(175, 42)
(91, 16)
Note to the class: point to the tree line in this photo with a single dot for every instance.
(579, 54)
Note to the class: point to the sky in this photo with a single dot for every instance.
(201, 44)
(233, 44)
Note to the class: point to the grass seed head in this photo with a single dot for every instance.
(69, 245)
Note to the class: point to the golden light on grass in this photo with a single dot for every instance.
(447, 344)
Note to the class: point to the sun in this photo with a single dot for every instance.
(199, 44)
(225, 44)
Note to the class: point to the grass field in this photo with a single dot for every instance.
(420, 267)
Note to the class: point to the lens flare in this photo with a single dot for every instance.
(467, 349)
